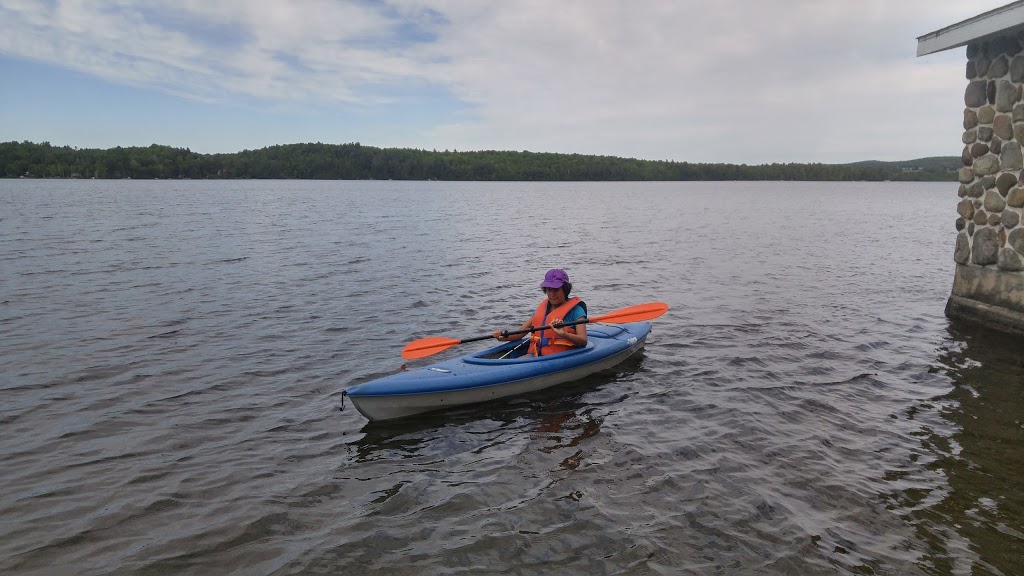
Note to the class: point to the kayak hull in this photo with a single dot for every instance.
(481, 376)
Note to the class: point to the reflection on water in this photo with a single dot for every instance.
(967, 502)
(560, 415)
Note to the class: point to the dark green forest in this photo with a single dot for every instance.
(357, 162)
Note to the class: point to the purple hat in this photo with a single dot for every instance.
(554, 278)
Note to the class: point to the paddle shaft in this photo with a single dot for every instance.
(434, 344)
(507, 333)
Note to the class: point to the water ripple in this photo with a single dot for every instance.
(173, 356)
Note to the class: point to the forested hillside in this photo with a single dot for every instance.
(357, 162)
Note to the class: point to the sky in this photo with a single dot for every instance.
(741, 81)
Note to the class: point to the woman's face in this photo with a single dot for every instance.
(556, 296)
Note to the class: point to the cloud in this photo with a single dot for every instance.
(315, 50)
(729, 81)
(732, 81)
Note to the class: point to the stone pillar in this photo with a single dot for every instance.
(988, 286)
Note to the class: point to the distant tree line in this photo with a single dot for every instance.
(356, 162)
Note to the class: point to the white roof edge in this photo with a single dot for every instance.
(981, 26)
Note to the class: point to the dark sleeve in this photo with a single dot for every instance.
(578, 312)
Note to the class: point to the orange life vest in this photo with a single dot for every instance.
(546, 342)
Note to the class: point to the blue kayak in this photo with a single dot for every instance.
(494, 373)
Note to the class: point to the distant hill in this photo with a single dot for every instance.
(932, 165)
(354, 161)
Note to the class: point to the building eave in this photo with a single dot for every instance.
(1001, 21)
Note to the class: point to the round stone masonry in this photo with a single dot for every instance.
(1016, 69)
(965, 209)
(1015, 198)
(986, 114)
(1010, 260)
(1009, 220)
(1011, 256)
(1004, 182)
(962, 252)
(970, 119)
(1016, 240)
(985, 249)
(1002, 125)
(987, 164)
(976, 94)
(1010, 157)
(981, 64)
(998, 68)
(1008, 45)
(994, 202)
(1006, 95)
(990, 209)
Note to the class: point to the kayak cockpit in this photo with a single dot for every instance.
(515, 353)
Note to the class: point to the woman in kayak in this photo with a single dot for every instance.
(554, 310)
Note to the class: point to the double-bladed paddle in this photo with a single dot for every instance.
(429, 346)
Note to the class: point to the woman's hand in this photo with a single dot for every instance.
(556, 327)
(578, 339)
(504, 336)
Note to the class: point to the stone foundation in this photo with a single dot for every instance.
(989, 283)
(987, 296)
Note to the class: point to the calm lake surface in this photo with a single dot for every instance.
(172, 358)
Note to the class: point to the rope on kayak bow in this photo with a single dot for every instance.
(343, 394)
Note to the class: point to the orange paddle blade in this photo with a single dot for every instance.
(638, 313)
(427, 346)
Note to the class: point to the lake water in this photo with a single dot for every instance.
(173, 355)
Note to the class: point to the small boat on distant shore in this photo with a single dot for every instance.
(494, 373)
